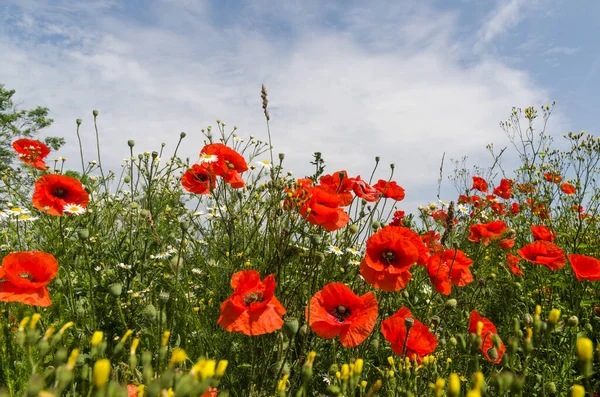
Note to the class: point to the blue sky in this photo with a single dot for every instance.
(406, 81)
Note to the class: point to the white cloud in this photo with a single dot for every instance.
(387, 82)
(503, 17)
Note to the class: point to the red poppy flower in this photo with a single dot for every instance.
(340, 183)
(431, 240)
(487, 333)
(513, 264)
(567, 188)
(365, 191)
(487, 232)
(31, 152)
(420, 341)
(131, 390)
(449, 268)
(544, 253)
(298, 195)
(542, 233)
(540, 210)
(52, 192)
(229, 163)
(336, 310)
(479, 184)
(551, 177)
(514, 208)
(398, 218)
(25, 276)
(199, 179)
(585, 267)
(506, 243)
(505, 189)
(390, 189)
(322, 208)
(391, 252)
(252, 309)
(498, 208)
(210, 392)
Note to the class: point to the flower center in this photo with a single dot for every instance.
(26, 276)
(388, 257)
(202, 177)
(341, 313)
(253, 297)
(59, 192)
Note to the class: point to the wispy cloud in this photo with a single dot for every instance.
(349, 81)
(504, 16)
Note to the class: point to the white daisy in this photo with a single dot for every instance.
(163, 255)
(207, 158)
(463, 209)
(196, 271)
(264, 164)
(353, 251)
(27, 218)
(18, 211)
(73, 209)
(124, 266)
(332, 249)
(97, 268)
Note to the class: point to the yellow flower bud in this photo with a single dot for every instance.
(165, 338)
(363, 384)
(578, 391)
(358, 366)
(473, 393)
(538, 311)
(72, 359)
(338, 375)
(34, 320)
(585, 349)
(282, 383)
(49, 333)
(101, 373)
(97, 338)
(454, 385)
(311, 357)
(126, 336)
(439, 386)
(66, 327)
(221, 367)
(204, 369)
(477, 380)
(390, 361)
(554, 316)
(177, 357)
(345, 371)
(23, 323)
(134, 345)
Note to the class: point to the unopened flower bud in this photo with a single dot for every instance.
(182, 135)
(451, 303)
(115, 289)
(573, 321)
(95, 113)
(78, 121)
(131, 143)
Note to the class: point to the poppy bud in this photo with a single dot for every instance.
(78, 121)
(451, 304)
(182, 135)
(550, 388)
(481, 281)
(353, 228)
(377, 158)
(281, 156)
(435, 320)
(513, 345)
(304, 330)
(95, 113)
(333, 390)
(453, 341)
(573, 321)
(60, 356)
(131, 143)
(493, 353)
(375, 342)
(409, 322)
(83, 234)
(163, 297)
(290, 327)
(315, 239)
(496, 341)
(527, 319)
(115, 289)
(319, 257)
(462, 342)
(375, 225)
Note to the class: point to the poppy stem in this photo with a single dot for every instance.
(405, 342)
